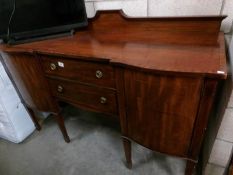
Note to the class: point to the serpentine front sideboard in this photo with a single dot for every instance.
(159, 76)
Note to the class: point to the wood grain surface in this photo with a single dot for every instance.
(190, 45)
(162, 110)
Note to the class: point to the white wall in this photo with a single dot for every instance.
(167, 8)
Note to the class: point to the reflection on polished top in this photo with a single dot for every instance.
(186, 44)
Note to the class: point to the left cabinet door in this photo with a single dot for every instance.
(27, 76)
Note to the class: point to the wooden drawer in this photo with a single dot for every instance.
(82, 71)
(88, 97)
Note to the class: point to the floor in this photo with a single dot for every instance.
(95, 149)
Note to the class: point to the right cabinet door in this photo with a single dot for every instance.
(161, 110)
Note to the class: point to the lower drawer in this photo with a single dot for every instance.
(89, 97)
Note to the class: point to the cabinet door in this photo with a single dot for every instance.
(28, 78)
(161, 110)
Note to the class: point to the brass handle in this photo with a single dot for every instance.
(103, 100)
(53, 66)
(98, 74)
(60, 88)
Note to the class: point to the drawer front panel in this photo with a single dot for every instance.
(93, 98)
(82, 71)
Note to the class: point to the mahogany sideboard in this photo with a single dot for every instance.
(159, 76)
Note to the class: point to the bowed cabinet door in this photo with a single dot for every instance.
(161, 110)
(25, 70)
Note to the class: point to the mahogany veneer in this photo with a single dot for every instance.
(159, 75)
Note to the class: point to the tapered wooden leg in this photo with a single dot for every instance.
(127, 148)
(34, 119)
(190, 167)
(61, 124)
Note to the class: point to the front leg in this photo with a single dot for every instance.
(60, 121)
(127, 149)
(33, 117)
(190, 167)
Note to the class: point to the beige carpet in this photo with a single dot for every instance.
(95, 149)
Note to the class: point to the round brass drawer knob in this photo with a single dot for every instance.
(103, 100)
(60, 88)
(53, 66)
(98, 74)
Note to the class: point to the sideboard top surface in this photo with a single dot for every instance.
(182, 45)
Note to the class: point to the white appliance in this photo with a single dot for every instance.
(15, 122)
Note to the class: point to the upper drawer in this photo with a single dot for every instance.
(82, 71)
